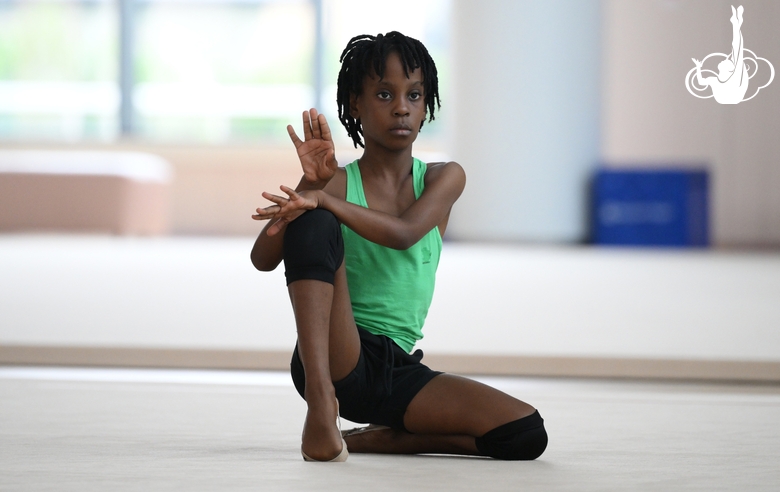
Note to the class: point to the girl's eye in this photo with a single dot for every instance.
(383, 95)
(415, 96)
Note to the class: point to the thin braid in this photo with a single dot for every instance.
(365, 54)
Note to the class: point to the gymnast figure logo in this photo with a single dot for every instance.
(735, 70)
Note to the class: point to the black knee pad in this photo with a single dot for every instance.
(523, 439)
(313, 247)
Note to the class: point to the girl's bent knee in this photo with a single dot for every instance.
(313, 247)
(523, 439)
(313, 218)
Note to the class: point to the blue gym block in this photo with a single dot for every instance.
(667, 207)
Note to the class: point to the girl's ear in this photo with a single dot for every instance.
(353, 108)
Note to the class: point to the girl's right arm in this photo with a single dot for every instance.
(320, 172)
(267, 251)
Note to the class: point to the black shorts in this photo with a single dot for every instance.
(381, 386)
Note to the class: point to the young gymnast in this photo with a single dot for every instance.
(360, 246)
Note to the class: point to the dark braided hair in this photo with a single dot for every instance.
(366, 54)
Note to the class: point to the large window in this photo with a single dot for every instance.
(185, 70)
(58, 70)
(219, 70)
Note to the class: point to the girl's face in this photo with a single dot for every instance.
(392, 109)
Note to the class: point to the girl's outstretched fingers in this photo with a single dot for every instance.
(285, 210)
(294, 136)
(270, 211)
(266, 213)
(324, 128)
(297, 201)
(315, 123)
(290, 192)
(307, 133)
(279, 201)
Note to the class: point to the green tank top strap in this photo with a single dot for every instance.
(355, 193)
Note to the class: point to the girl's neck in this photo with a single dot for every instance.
(386, 163)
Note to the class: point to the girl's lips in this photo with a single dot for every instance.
(403, 130)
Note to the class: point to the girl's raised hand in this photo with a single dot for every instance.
(317, 152)
(285, 210)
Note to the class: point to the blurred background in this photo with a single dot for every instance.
(137, 135)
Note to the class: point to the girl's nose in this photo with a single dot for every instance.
(401, 109)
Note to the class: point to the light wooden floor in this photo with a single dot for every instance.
(112, 429)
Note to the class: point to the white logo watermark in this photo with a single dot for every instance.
(730, 84)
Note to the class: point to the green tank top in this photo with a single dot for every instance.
(391, 290)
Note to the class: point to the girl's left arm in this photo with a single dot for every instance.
(444, 185)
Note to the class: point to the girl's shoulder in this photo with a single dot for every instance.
(444, 170)
(439, 166)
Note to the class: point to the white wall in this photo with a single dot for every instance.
(650, 118)
(543, 91)
(526, 117)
